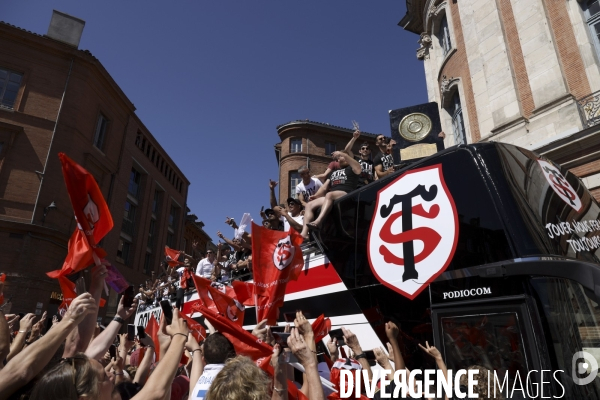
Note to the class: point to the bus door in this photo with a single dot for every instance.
(473, 329)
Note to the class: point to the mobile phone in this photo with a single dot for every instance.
(167, 310)
(128, 296)
(80, 285)
(21, 315)
(113, 351)
(141, 332)
(339, 335)
(371, 357)
(289, 316)
(131, 332)
(281, 338)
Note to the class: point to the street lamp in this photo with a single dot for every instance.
(52, 206)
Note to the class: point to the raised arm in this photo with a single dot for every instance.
(79, 339)
(279, 377)
(144, 368)
(197, 362)
(391, 331)
(281, 212)
(348, 148)
(352, 342)
(435, 353)
(19, 342)
(30, 362)
(159, 383)
(300, 347)
(102, 342)
(229, 242)
(272, 197)
(4, 338)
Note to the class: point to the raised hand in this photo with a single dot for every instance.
(272, 184)
(125, 313)
(332, 346)
(351, 340)
(382, 358)
(431, 350)
(390, 351)
(178, 325)
(303, 325)
(26, 323)
(391, 330)
(260, 330)
(300, 348)
(81, 306)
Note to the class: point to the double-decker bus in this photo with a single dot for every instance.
(488, 251)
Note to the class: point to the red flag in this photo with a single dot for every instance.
(321, 327)
(172, 255)
(244, 342)
(277, 259)
(244, 292)
(68, 291)
(183, 282)
(92, 214)
(152, 329)
(196, 329)
(203, 293)
(227, 306)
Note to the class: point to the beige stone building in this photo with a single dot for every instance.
(526, 72)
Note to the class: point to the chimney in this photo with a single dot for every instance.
(65, 28)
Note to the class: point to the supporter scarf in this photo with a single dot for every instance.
(92, 214)
(172, 255)
(277, 259)
(244, 342)
(215, 299)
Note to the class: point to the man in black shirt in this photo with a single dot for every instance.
(383, 162)
(364, 159)
(338, 183)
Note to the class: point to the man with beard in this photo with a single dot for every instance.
(338, 183)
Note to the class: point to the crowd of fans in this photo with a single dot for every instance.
(76, 358)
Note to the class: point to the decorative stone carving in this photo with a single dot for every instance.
(425, 43)
(445, 84)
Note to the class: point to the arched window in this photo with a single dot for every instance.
(592, 13)
(458, 122)
(444, 36)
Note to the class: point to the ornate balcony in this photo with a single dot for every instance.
(589, 109)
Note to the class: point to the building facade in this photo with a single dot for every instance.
(194, 233)
(309, 143)
(56, 98)
(526, 72)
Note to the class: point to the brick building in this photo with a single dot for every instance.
(526, 72)
(194, 233)
(310, 143)
(56, 98)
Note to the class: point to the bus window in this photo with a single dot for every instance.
(572, 320)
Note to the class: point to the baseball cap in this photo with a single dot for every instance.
(269, 211)
(293, 200)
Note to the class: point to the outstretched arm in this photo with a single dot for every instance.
(348, 148)
(27, 364)
(272, 197)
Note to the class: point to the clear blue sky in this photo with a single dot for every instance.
(213, 79)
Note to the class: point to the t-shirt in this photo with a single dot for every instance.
(309, 189)
(343, 179)
(385, 160)
(298, 218)
(366, 175)
(204, 268)
(206, 379)
(179, 274)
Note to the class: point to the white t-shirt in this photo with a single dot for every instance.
(179, 274)
(207, 377)
(298, 218)
(204, 268)
(308, 190)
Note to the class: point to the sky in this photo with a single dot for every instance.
(212, 80)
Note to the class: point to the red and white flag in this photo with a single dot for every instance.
(214, 299)
(93, 217)
(277, 259)
(172, 256)
(243, 341)
(152, 330)
(244, 292)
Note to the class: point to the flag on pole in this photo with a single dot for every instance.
(225, 305)
(93, 217)
(277, 259)
(172, 256)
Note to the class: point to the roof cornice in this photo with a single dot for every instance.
(413, 20)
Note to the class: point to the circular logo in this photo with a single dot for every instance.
(414, 127)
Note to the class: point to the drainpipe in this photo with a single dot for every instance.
(43, 173)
